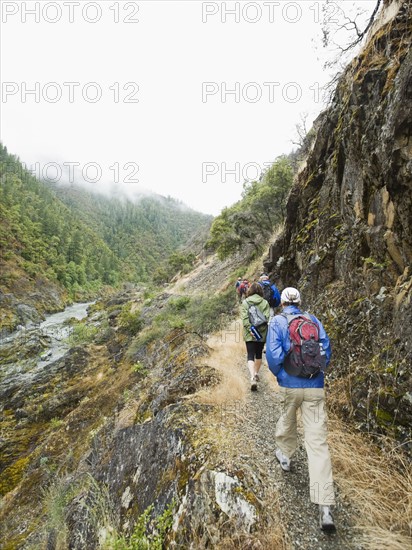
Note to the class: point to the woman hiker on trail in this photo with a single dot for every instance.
(254, 347)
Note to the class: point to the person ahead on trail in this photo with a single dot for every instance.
(270, 292)
(251, 333)
(243, 288)
(237, 286)
(298, 346)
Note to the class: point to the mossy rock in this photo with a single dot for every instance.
(12, 475)
(383, 416)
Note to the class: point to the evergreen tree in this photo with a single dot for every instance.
(250, 222)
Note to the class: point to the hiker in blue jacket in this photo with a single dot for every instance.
(270, 292)
(308, 395)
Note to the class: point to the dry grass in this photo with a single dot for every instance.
(127, 416)
(379, 486)
(228, 357)
(270, 379)
(183, 283)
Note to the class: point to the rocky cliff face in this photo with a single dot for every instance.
(347, 242)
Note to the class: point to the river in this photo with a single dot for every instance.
(33, 348)
(53, 327)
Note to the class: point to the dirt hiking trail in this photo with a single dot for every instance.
(249, 419)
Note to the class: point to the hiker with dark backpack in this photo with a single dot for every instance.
(298, 351)
(270, 292)
(243, 288)
(255, 314)
(237, 286)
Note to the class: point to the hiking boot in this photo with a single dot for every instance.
(283, 460)
(257, 379)
(253, 384)
(325, 519)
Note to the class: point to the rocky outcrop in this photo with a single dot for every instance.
(347, 242)
(24, 301)
(112, 435)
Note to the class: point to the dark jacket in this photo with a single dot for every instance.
(275, 292)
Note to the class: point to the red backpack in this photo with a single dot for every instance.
(305, 358)
(243, 288)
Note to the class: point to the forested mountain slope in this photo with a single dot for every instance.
(347, 242)
(57, 243)
(141, 233)
(248, 224)
(45, 248)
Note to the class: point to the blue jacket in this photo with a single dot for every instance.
(275, 292)
(278, 344)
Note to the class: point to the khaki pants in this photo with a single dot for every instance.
(312, 405)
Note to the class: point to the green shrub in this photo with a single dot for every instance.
(161, 275)
(139, 368)
(178, 262)
(154, 333)
(179, 304)
(82, 334)
(175, 322)
(206, 314)
(148, 294)
(141, 539)
(129, 322)
(55, 423)
(203, 315)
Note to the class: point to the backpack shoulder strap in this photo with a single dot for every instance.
(308, 316)
(290, 316)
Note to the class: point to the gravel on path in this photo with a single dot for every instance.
(254, 426)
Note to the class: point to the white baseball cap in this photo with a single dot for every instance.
(290, 296)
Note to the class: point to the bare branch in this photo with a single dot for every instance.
(362, 34)
(301, 130)
(350, 25)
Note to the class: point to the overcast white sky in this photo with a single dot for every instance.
(86, 64)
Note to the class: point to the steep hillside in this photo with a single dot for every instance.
(347, 242)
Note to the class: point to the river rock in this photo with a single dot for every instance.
(27, 314)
